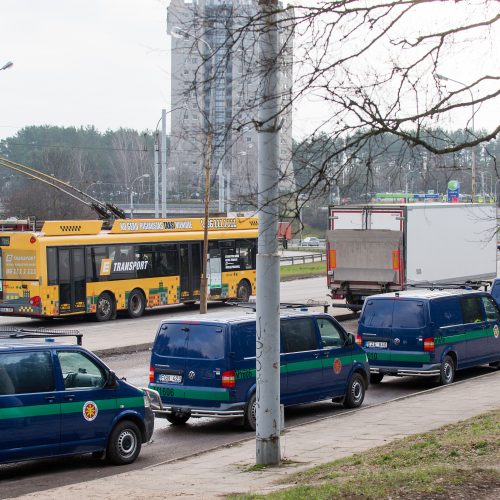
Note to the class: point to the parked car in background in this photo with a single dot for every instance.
(430, 333)
(310, 241)
(60, 399)
(208, 368)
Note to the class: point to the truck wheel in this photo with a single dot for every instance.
(376, 378)
(136, 304)
(106, 307)
(178, 418)
(250, 422)
(243, 291)
(355, 391)
(124, 443)
(447, 375)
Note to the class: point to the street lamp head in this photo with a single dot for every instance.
(178, 32)
(7, 65)
(145, 176)
(441, 77)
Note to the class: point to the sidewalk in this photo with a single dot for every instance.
(224, 471)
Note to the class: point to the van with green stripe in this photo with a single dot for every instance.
(60, 399)
(429, 333)
(208, 368)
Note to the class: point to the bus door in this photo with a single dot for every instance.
(1, 276)
(190, 271)
(214, 271)
(72, 289)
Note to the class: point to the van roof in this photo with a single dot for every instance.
(240, 319)
(425, 293)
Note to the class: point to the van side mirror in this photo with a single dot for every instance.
(111, 380)
(351, 339)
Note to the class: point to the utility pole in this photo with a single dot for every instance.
(163, 163)
(157, 187)
(268, 418)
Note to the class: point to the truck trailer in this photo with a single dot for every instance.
(384, 248)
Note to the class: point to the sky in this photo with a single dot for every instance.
(83, 62)
(107, 63)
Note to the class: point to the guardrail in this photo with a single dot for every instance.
(303, 259)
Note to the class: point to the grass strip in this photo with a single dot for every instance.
(456, 461)
(309, 270)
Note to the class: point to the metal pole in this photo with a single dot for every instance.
(157, 187)
(131, 203)
(163, 163)
(268, 265)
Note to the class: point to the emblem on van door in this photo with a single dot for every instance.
(191, 375)
(496, 332)
(397, 341)
(337, 366)
(90, 411)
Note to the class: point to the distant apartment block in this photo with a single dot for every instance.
(215, 75)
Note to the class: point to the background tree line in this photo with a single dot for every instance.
(103, 165)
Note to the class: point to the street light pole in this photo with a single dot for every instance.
(178, 32)
(143, 176)
(473, 168)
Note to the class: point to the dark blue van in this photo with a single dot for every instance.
(429, 333)
(207, 368)
(60, 399)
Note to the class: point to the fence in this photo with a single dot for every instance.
(302, 259)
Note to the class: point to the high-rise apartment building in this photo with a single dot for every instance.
(215, 84)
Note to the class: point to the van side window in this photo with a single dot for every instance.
(298, 335)
(26, 372)
(472, 310)
(243, 340)
(330, 335)
(79, 372)
(446, 312)
(408, 314)
(378, 313)
(491, 309)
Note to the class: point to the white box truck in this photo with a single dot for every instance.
(383, 248)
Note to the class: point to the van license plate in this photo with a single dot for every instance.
(378, 345)
(7, 309)
(175, 379)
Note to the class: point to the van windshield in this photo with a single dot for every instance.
(191, 341)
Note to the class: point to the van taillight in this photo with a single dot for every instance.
(228, 379)
(151, 375)
(359, 339)
(35, 301)
(429, 344)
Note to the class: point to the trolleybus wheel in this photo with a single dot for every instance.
(136, 304)
(106, 307)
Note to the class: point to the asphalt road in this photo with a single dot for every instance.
(173, 442)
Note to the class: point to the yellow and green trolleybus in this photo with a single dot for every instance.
(75, 267)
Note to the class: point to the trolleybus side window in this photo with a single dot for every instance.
(166, 260)
(52, 277)
(246, 250)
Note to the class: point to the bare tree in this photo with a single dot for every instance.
(372, 76)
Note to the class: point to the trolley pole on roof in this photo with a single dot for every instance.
(268, 418)
(163, 163)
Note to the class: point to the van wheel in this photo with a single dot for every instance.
(106, 307)
(124, 443)
(355, 393)
(376, 378)
(447, 375)
(136, 304)
(178, 418)
(243, 291)
(250, 422)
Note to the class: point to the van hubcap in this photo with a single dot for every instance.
(356, 390)
(448, 372)
(127, 443)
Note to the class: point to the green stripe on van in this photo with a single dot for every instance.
(462, 337)
(181, 392)
(67, 408)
